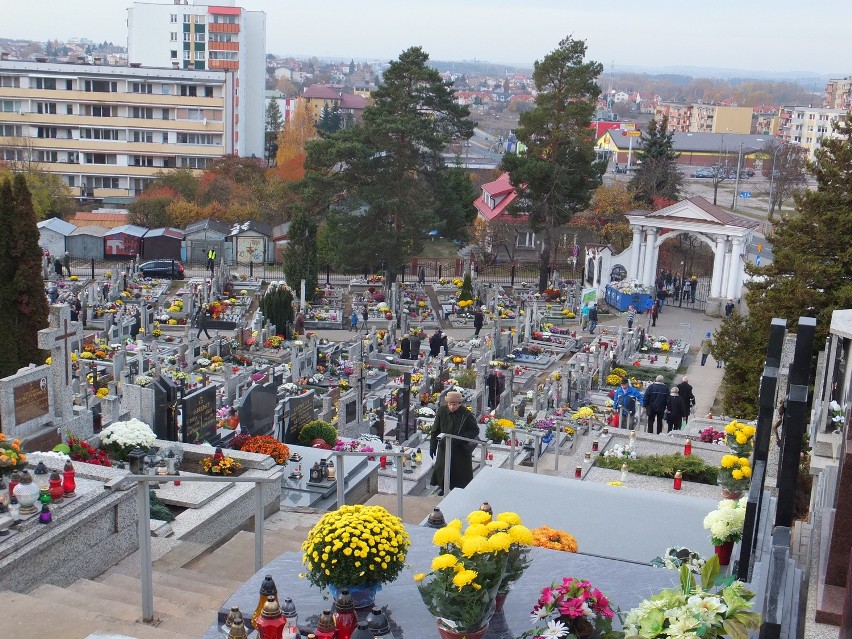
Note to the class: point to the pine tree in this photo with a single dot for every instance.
(24, 305)
(277, 307)
(810, 274)
(558, 174)
(274, 124)
(657, 176)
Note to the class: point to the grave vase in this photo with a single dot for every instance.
(362, 596)
(448, 633)
(724, 551)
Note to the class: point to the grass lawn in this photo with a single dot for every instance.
(439, 248)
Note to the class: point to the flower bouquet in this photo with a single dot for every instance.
(572, 608)
(119, 438)
(712, 436)
(740, 438)
(80, 450)
(726, 522)
(219, 464)
(355, 546)
(547, 537)
(263, 444)
(836, 416)
(735, 473)
(461, 589)
(716, 608)
(678, 556)
(12, 456)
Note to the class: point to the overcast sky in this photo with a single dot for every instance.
(778, 36)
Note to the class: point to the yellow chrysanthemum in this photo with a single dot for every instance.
(499, 542)
(728, 461)
(473, 546)
(419, 577)
(496, 525)
(741, 438)
(477, 530)
(478, 517)
(463, 578)
(743, 461)
(443, 561)
(521, 535)
(513, 519)
(455, 523)
(746, 471)
(446, 535)
(750, 431)
(730, 428)
(737, 473)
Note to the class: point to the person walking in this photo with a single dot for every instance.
(453, 419)
(624, 403)
(688, 397)
(631, 315)
(415, 346)
(57, 266)
(405, 347)
(655, 312)
(201, 320)
(435, 343)
(66, 262)
(729, 309)
(706, 345)
(593, 318)
(299, 324)
(421, 276)
(211, 259)
(693, 287)
(661, 298)
(584, 316)
(353, 321)
(675, 410)
(478, 321)
(656, 400)
(365, 315)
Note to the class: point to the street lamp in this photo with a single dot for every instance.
(772, 178)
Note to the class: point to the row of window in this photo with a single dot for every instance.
(88, 133)
(187, 36)
(189, 18)
(110, 111)
(72, 157)
(104, 86)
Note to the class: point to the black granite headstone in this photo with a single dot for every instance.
(257, 411)
(302, 412)
(166, 394)
(199, 416)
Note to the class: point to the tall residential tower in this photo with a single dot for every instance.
(209, 36)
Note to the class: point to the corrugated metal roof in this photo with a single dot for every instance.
(128, 229)
(92, 229)
(165, 232)
(59, 226)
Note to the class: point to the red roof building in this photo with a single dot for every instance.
(495, 200)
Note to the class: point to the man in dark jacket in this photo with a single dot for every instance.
(453, 419)
(435, 343)
(201, 317)
(593, 318)
(415, 347)
(656, 398)
(675, 410)
(405, 347)
(478, 321)
(687, 397)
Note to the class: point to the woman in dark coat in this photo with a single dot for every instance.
(435, 343)
(453, 419)
(675, 410)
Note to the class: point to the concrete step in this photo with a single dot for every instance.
(223, 583)
(189, 599)
(189, 626)
(28, 616)
(193, 582)
(238, 553)
(108, 592)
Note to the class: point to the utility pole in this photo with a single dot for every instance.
(737, 183)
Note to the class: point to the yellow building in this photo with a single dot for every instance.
(106, 130)
(350, 106)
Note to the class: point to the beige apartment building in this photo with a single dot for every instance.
(705, 118)
(808, 126)
(106, 130)
(838, 94)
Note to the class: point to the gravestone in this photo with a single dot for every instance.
(166, 394)
(300, 411)
(199, 416)
(257, 409)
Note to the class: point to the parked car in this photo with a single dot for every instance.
(162, 269)
(745, 174)
(704, 173)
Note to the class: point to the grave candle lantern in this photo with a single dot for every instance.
(624, 472)
(378, 624)
(45, 516)
(27, 494)
(595, 446)
(69, 484)
(687, 448)
(270, 624)
(55, 489)
(345, 619)
(41, 475)
(288, 609)
(578, 472)
(14, 510)
(267, 589)
(326, 628)
(137, 460)
(678, 480)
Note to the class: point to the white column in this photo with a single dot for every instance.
(718, 266)
(635, 249)
(726, 273)
(736, 270)
(650, 239)
(640, 250)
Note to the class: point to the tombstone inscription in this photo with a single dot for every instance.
(199, 416)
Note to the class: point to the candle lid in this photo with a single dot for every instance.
(271, 607)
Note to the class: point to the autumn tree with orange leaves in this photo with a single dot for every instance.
(300, 129)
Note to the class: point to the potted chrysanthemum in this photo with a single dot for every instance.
(726, 527)
(355, 547)
(461, 588)
(119, 438)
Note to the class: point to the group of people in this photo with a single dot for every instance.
(353, 318)
(61, 265)
(661, 403)
(668, 284)
(589, 316)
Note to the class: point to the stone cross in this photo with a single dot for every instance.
(56, 341)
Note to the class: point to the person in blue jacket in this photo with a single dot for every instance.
(625, 401)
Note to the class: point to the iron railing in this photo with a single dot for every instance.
(448, 454)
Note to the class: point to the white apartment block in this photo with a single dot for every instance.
(107, 130)
(807, 126)
(209, 35)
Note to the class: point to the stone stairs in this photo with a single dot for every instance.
(191, 583)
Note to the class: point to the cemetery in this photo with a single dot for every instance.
(299, 427)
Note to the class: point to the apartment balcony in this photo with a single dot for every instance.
(232, 65)
(223, 46)
(221, 27)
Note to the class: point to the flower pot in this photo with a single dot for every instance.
(731, 494)
(362, 596)
(447, 633)
(499, 600)
(723, 552)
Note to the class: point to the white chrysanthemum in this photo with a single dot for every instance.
(554, 630)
